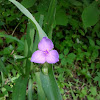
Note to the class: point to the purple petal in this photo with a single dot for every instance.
(52, 57)
(45, 44)
(38, 57)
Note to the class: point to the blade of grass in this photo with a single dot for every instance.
(41, 95)
(29, 46)
(29, 15)
(37, 36)
(30, 90)
(11, 37)
(50, 18)
(30, 37)
(50, 86)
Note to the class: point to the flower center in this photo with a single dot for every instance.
(46, 52)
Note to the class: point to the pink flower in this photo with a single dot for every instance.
(45, 52)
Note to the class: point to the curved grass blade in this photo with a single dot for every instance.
(30, 90)
(50, 86)
(50, 18)
(41, 95)
(29, 15)
(11, 37)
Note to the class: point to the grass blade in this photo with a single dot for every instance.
(37, 36)
(29, 15)
(19, 92)
(30, 90)
(11, 37)
(50, 18)
(41, 95)
(50, 86)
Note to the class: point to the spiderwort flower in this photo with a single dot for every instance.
(45, 52)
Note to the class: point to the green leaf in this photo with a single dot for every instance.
(96, 78)
(93, 91)
(20, 47)
(63, 61)
(95, 54)
(71, 56)
(61, 56)
(92, 43)
(41, 95)
(61, 17)
(90, 15)
(3, 68)
(30, 37)
(50, 86)
(19, 91)
(28, 47)
(28, 3)
(50, 18)
(29, 15)
(90, 98)
(75, 2)
(30, 90)
(37, 36)
(66, 51)
(98, 65)
(3, 79)
(11, 37)
(98, 42)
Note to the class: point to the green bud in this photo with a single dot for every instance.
(45, 70)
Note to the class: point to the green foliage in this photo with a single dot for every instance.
(41, 94)
(29, 15)
(90, 15)
(48, 27)
(96, 79)
(28, 4)
(30, 90)
(2, 68)
(19, 89)
(49, 85)
(74, 27)
(61, 18)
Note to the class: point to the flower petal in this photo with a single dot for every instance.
(38, 57)
(45, 44)
(52, 57)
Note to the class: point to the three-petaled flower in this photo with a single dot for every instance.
(45, 52)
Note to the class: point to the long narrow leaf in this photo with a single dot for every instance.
(37, 36)
(50, 86)
(29, 46)
(30, 90)
(50, 18)
(3, 68)
(30, 37)
(19, 92)
(41, 95)
(29, 15)
(11, 37)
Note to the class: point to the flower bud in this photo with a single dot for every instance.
(45, 70)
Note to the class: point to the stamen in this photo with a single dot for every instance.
(46, 52)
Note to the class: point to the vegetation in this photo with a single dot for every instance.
(73, 26)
